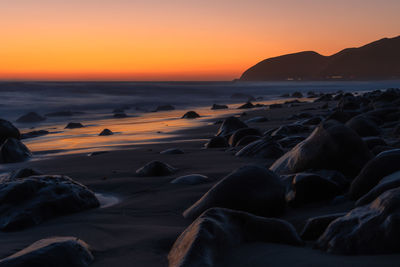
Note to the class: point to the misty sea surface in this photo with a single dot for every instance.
(93, 105)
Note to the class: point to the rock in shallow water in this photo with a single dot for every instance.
(106, 132)
(52, 252)
(74, 125)
(190, 115)
(331, 146)
(13, 151)
(28, 201)
(156, 168)
(203, 243)
(250, 188)
(369, 229)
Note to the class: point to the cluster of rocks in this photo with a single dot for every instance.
(350, 153)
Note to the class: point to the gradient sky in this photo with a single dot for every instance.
(177, 39)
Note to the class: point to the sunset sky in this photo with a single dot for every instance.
(177, 39)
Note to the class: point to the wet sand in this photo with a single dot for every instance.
(140, 229)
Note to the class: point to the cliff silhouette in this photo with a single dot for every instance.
(375, 61)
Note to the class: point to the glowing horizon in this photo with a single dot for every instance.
(177, 40)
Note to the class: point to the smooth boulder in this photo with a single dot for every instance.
(54, 251)
(377, 168)
(331, 146)
(251, 188)
(156, 168)
(13, 150)
(204, 242)
(262, 148)
(28, 201)
(369, 229)
(230, 125)
(239, 134)
(363, 126)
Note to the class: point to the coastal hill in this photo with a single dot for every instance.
(375, 61)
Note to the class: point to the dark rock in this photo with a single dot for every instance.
(382, 165)
(190, 115)
(73, 125)
(369, 229)
(316, 226)
(251, 188)
(120, 115)
(8, 130)
(191, 179)
(216, 106)
(13, 150)
(106, 132)
(348, 102)
(34, 134)
(217, 142)
(324, 98)
(172, 151)
(309, 187)
(22, 173)
(164, 108)
(247, 140)
(290, 129)
(156, 168)
(31, 117)
(275, 106)
(297, 95)
(257, 119)
(239, 134)
(216, 230)
(247, 105)
(331, 146)
(262, 148)
(28, 201)
(54, 251)
(230, 125)
(363, 126)
(373, 141)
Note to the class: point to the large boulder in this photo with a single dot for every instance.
(316, 226)
(30, 118)
(251, 188)
(262, 148)
(156, 168)
(203, 243)
(369, 229)
(389, 182)
(54, 251)
(310, 187)
(363, 126)
(217, 142)
(230, 125)
(8, 130)
(382, 165)
(28, 201)
(331, 146)
(13, 151)
(239, 134)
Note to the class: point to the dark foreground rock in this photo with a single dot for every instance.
(251, 188)
(191, 115)
(28, 201)
(369, 229)
(239, 134)
(316, 226)
(31, 117)
(8, 130)
(13, 151)
(54, 251)
(191, 179)
(156, 168)
(106, 132)
(74, 125)
(230, 125)
(217, 142)
(331, 146)
(172, 151)
(216, 230)
(363, 126)
(262, 148)
(382, 165)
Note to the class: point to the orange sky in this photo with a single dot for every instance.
(177, 39)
